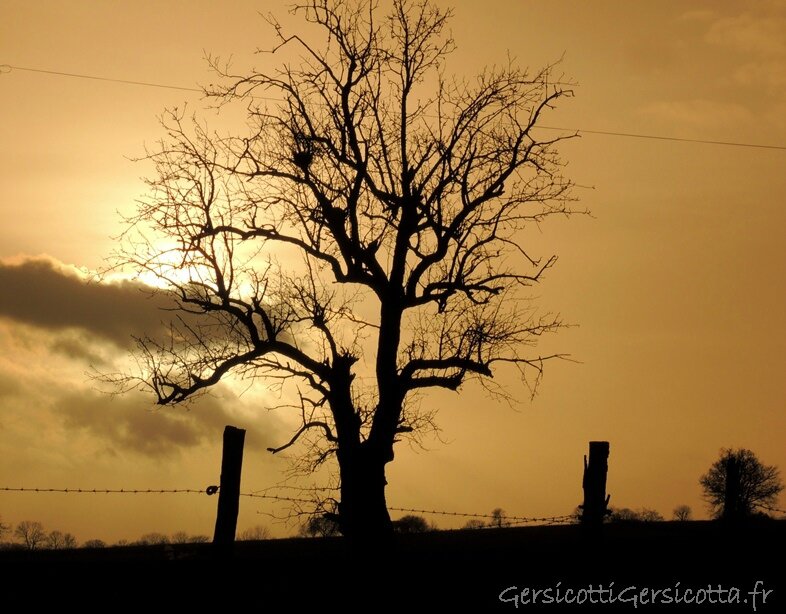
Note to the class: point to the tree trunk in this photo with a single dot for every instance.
(363, 512)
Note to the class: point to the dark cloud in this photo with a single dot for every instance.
(9, 386)
(128, 423)
(39, 293)
(78, 348)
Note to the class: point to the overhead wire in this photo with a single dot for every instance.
(6, 68)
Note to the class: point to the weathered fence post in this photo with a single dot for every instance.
(594, 483)
(229, 491)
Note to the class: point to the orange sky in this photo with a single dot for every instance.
(676, 283)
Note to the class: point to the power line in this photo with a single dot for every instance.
(6, 68)
(665, 138)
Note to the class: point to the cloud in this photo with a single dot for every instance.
(757, 35)
(699, 113)
(43, 293)
(77, 346)
(128, 423)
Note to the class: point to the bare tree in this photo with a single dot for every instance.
(56, 540)
(4, 529)
(411, 524)
(497, 517)
(30, 533)
(738, 483)
(682, 513)
(94, 543)
(152, 539)
(372, 216)
(180, 537)
(320, 525)
(625, 514)
(254, 533)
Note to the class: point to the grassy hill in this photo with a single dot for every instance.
(444, 569)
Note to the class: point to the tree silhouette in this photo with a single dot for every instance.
(411, 524)
(497, 517)
(30, 533)
(371, 214)
(737, 483)
(682, 513)
(625, 514)
(319, 526)
(56, 540)
(254, 533)
(4, 529)
(98, 543)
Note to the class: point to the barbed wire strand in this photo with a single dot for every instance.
(256, 495)
(506, 520)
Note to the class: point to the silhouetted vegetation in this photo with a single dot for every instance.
(254, 533)
(411, 524)
(320, 526)
(390, 183)
(738, 483)
(682, 513)
(95, 543)
(497, 517)
(60, 541)
(625, 514)
(30, 533)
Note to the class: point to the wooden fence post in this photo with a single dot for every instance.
(596, 501)
(229, 491)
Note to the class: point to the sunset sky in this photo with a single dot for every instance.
(676, 284)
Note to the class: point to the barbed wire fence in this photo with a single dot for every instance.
(502, 520)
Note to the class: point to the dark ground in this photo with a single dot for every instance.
(441, 571)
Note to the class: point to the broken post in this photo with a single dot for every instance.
(594, 483)
(229, 491)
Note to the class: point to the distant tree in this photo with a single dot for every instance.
(152, 539)
(181, 537)
(254, 533)
(31, 534)
(622, 514)
(94, 543)
(474, 523)
(682, 513)
(5, 529)
(60, 541)
(738, 483)
(625, 514)
(411, 524)
(648, 515)
(497, 517)
(320, 526)
(392, 185)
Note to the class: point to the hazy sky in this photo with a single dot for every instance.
(676, 283)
